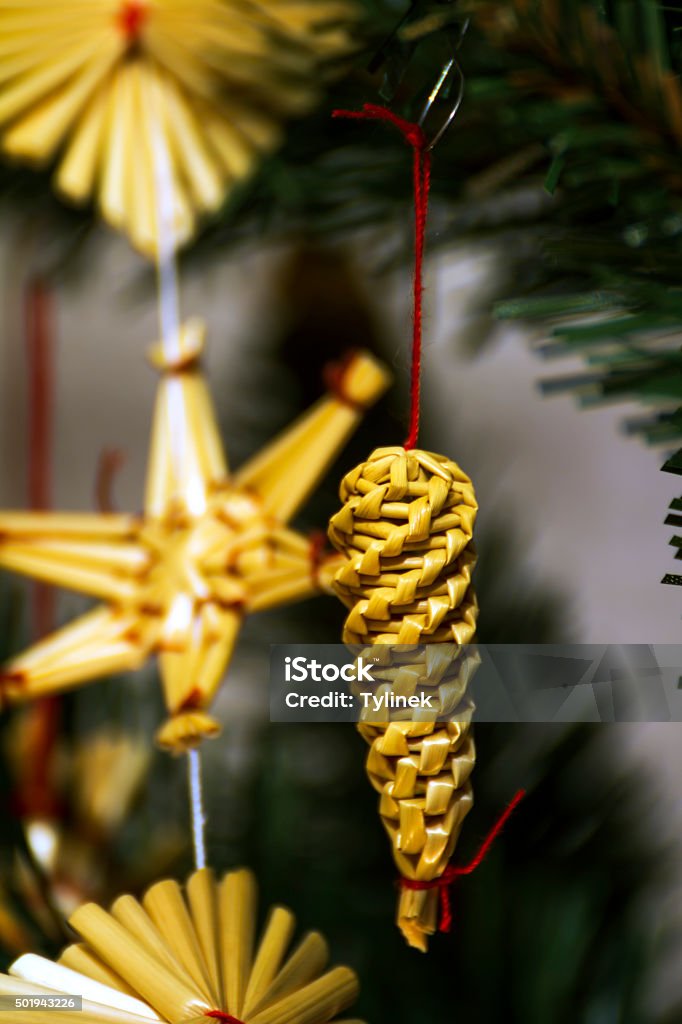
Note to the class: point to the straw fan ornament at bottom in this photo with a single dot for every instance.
(184, 958)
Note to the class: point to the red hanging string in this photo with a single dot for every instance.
(453, 871)
(220, 1015)
(36, 796)
(38, 318)
(421, 170)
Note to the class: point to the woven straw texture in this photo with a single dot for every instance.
(406, 528)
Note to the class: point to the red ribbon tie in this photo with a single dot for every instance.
(453, 871)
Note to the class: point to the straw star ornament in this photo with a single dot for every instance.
(209, 548)
(185, 958)
(121, 95)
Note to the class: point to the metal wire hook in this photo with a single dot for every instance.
(448, 69)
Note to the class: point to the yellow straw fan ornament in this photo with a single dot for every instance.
(405, 527)
(186, 958)
(209, 548)
(132, 98)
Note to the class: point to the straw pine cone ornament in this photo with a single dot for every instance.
(142, 102)
(406, 527)
(186, 958)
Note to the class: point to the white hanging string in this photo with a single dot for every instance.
(169, 300)
(169, 324)
(196, 798)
